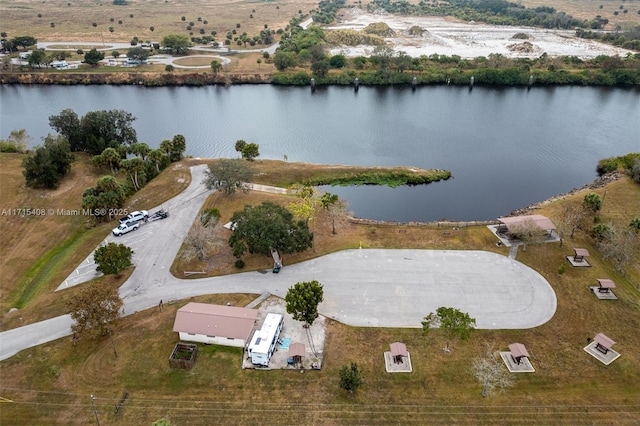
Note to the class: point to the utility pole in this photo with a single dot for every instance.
(95, 411)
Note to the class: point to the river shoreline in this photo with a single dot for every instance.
(493, 78)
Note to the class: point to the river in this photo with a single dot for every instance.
(506, 147)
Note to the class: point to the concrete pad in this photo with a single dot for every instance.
(398, 288)
(392, 367)
(609, 295)
(606, 359)
(524, 366)
(578, 264)
(295, 332)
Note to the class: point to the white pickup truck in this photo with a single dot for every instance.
(136, 216)
(125, 227)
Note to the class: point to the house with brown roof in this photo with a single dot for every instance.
(215, 324)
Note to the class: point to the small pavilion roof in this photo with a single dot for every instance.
(296, 349)
(581, 252)
(518, 350)
(606, 283)
(540, 221)
(399, 349)
(604, 340)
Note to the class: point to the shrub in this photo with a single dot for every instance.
(601, 232)
(239, 263)
(210, 216)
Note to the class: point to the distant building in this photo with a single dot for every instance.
(215, 324)
(59, 64)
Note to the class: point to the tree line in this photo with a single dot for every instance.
(110, 137)
(495, 12)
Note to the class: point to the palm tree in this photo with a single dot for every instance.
(215, 67)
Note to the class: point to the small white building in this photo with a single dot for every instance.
(264, 341)
(215, 324)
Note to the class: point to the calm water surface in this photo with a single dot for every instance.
(506, 148)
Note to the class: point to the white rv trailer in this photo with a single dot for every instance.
(264, 341)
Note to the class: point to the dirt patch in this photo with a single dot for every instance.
(468, 40)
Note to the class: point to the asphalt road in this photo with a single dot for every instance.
(362, 287)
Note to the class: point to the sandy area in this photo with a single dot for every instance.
(468, 40)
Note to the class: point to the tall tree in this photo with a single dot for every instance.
(334, 207)
(351, 378)
(38, 58)
(306, 204)
(134, 167)
(177, 44)
(67, 123)
(24, 41)
(93, 57)
(228, 175)
(107, 195)
(248, 151)
(138, 54)
(96, 130)
(215, 67)
(178, 147)
(48, 164)
(112, 258)
(110, 157)
(140, 149)
(260, 229)
(157, 156)
(303, 300)
(452, 321)
(166, 146)
(95, 310)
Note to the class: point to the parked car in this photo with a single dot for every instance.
(136, 216)
(125, 227)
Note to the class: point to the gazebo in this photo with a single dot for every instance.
(603, 343)
(511, 223)
(580, 254)
(398, 351)
(605, 285)
(518, 351)
(296, 352)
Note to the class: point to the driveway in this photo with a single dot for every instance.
(362, 287)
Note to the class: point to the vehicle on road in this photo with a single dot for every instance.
(125, 227)
(136, 216)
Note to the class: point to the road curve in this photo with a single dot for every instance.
(362, 287)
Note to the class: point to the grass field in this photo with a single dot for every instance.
(589, 9)
(51, 383)
(44, 249)
(73, 21)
